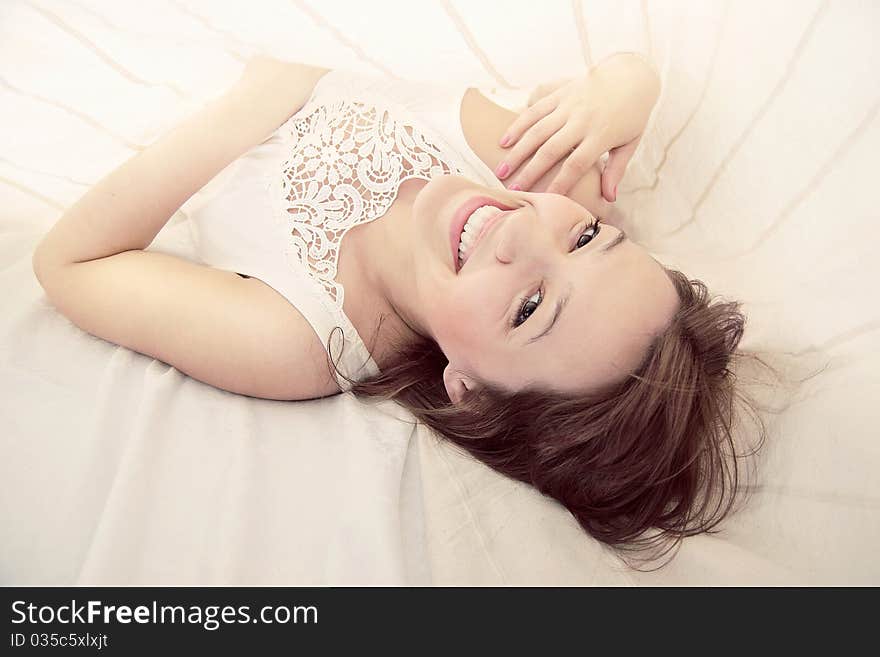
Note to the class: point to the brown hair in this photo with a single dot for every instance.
(652, 452)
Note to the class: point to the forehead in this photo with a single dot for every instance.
(616, 304)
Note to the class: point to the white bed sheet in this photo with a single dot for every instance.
(757, 175)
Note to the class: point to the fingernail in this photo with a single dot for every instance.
(614, 193)
(515, 188)
(502, 170)
(505, 140)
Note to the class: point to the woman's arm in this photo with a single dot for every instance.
(237, 334)
(547, 88)
(128, 207)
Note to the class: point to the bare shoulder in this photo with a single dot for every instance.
(265, 65)
(289, 83)
(483, 123)
(302, 368)
(262, 68)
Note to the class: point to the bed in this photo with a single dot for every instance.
(755, 175)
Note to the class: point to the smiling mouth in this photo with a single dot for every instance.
(470, 224)
(469, 242)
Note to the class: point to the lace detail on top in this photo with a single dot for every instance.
(343, 164)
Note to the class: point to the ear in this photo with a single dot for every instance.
(458, 384)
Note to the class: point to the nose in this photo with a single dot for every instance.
(512, 234)
(504, 251)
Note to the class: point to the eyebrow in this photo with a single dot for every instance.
(560, 304)
(617, 240)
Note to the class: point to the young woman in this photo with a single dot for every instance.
(513, 321)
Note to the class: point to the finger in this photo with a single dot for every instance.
(530, 142)
(590, 151)
(576, 167)
(527, 119)
(618, 159)
(553, 150)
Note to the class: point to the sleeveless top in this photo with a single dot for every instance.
(280, 211)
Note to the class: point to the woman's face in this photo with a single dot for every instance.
(543, 299)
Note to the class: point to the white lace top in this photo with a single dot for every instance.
(279, 213)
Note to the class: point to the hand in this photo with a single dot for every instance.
(606, 110)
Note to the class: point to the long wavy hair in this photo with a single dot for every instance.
(640, 464)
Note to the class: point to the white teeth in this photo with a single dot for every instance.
(472, 228)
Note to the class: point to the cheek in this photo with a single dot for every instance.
(463, 323)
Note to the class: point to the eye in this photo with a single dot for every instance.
(527, 306)
(587, 236)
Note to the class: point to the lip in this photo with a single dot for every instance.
(461, 216)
